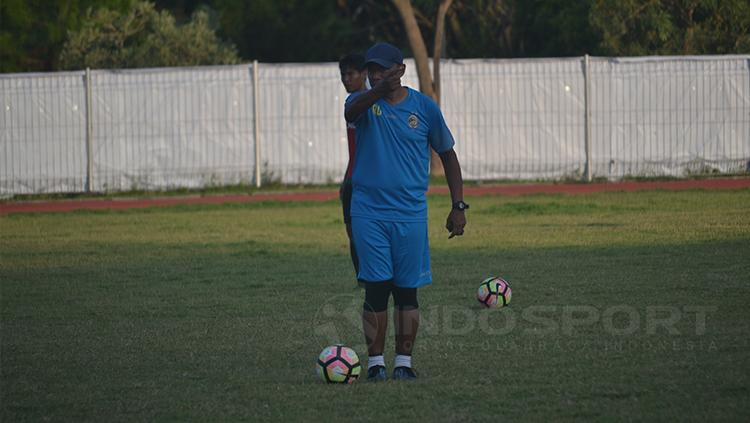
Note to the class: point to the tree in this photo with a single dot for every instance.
(144, 37)
(643, 27)
(290, 30)
(473, 28)
(553, 28)
(32, 32)
(482, 28)
(459, 28)
(428, 84)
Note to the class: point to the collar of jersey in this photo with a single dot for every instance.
(408, 96)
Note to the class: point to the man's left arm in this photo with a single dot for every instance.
(457, 217)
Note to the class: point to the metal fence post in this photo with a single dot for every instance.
(89, 135)
(587, 118)
(256, 124)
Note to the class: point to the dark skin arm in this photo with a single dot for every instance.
(456, 218)
(391, 82)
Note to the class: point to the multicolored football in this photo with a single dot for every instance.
(494, 292)
(338, 364)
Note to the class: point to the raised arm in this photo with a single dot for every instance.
(391, 81)
(360, 104)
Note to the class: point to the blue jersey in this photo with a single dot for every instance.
(392, 165)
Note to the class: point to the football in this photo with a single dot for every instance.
(494, 292)
(338, 364)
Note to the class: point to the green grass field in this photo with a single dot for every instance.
(626, 306)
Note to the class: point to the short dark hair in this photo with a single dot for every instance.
(352, 60)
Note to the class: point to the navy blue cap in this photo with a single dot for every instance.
(384, 54)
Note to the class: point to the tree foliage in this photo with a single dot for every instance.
(486, 28)
(481, 28)
(32, 32)
(643, 27)
(550, 28)
(144, 37)
(288, 31)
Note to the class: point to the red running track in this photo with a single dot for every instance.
(509, 189)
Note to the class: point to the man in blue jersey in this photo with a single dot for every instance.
(396, 129)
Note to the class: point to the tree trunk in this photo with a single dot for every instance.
(438, 45)
(419, 49)
(417, 46)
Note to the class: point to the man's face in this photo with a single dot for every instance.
(353, 79)
(375, 73)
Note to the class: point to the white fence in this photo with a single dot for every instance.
(512, 119)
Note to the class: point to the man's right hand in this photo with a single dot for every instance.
(391, 79)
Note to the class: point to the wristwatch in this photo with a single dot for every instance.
(460, 205)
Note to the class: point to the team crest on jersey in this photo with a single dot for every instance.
(377, 110)
(413, 121)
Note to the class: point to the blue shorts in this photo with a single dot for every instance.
(397, 251)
